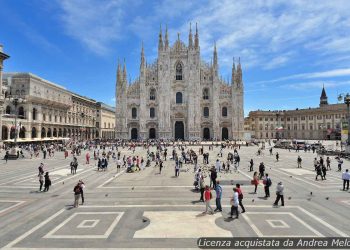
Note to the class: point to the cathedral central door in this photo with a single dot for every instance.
(134, 134)
(179, 130)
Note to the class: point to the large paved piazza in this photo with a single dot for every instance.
(152, 210)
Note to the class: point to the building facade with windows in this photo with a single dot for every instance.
(105, 122)
(179, 96)
(321, 123)
(49, 110)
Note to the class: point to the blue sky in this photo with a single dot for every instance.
(288, 49)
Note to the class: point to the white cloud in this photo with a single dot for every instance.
(95, 23)
(317, 85)
(312, 75)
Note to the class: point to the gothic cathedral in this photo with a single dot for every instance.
(179, 96)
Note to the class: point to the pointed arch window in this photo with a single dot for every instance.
(178, 97)
(133, 113)
(224, 111)
(206, 112)
(179, 71)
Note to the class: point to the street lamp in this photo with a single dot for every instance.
(15, 100)
(346, 98)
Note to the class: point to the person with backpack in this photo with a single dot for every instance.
(47, 182)
(218, 191)
(240, 197)
(77, 192)
(267, 182)
(319, 172)
(208, 197)
(299, 161)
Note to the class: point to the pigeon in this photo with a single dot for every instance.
(63, 183)
(106, 195)
(289, 198)
(132, 188)
(327, 198)
(252, 200)
(310, 193)
(291, 176)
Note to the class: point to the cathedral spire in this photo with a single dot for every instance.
(118, 74)
(323, 98)
(239, 74)
(124, 73)
(215, 56)
(142, 56)
(233, 72)
(196, 39)
(166, 37)
(190, 41)
(160, 42)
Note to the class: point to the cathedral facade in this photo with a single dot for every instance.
(179, 96)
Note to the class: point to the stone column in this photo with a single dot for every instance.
(3, 57)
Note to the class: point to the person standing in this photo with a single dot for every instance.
(213, 176)
(346, 179)
(87, 156)
(324, 171)
(280, 194)
(47, 182)
(208, 197)
(277, 156)
(234, 203)
(340, 163)
(251, 165)
(218, 166)
(41, 180)
(77, 192)
(7, 155)
(202, 187)
(240, 197)
(218, 191)
(82, 187)
(160, 166)
(255, 181)
(299, 161)
(261, 170)
(177, 168)
(267, 183)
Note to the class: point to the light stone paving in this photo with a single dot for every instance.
(160, 211)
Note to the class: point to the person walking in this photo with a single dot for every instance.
(208, 197)
(328, 162)
(299, 161)
(261, 170)
(280, 194)
(6, 156)
(47, 182)
(77, 192)
(218, 166)
(255, 181)
(340, 163)
(319, 172)
(267, 182)
(240, 197)
(41, 180)
(277, 156)
(234, 203)
(346, 179)
(218, 191)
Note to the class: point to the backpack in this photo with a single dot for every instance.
(76, 189)
(240, 196)
(268, 182)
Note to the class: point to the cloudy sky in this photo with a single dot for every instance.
(288, 49)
